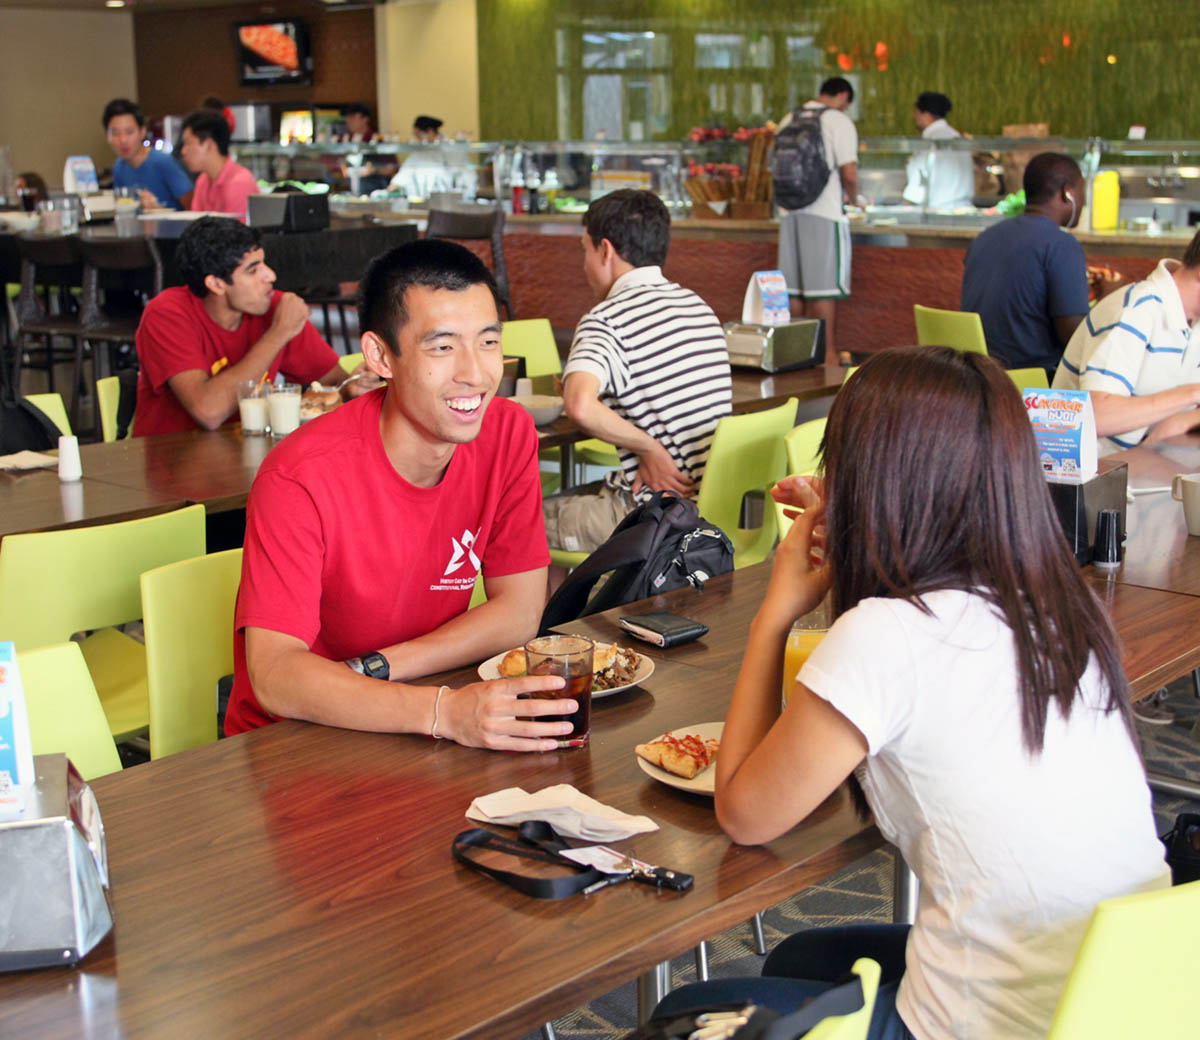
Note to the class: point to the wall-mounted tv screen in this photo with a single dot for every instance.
(273, 52)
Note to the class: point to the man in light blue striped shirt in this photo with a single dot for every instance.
(1138, 356)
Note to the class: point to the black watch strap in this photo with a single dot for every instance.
(373, 665)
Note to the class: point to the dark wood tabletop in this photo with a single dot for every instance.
(36, 500)
(755, 391)
(298, 881)
(1159, 553)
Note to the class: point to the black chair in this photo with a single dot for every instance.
(50, 268)
(476, 223)
(133, 268)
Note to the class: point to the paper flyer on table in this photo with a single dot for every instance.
(1064, 427)
(16, 751)
(766, 299)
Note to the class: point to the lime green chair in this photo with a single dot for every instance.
(188, 615)
(349, 362)
(855, 1025)
(64, 710)
(479, 593)
(54, 584)
(1135, 971)
(108, 398)
(533, 340)
(802, 446)
(961, 330)
(53, 408)
(1024, 377)
(849, 372)
(747, 454)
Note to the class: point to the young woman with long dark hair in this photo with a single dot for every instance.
(970, 683)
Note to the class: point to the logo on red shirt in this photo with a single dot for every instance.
(460, 550)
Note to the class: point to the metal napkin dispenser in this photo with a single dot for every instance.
(54, 890)
(776, 348)
(288, 211)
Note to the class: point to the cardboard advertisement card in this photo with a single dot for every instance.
(16, 751)
(766, 299)
(1065, 429)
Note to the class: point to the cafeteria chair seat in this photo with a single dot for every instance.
(1135, 971)
(855, 1025)
(961, 330)
(54, 584)
(65, 716)
(51, 405)
(1024, 377)
(472, 222)
(188, 616)
(747, 455)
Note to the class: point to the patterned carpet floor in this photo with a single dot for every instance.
(863, 890)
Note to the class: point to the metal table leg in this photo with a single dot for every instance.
(905, 888)
(1174, 786)
(701, 954)
(566, 462)
(652, 986)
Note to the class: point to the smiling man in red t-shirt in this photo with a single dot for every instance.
(196, 341)
(365, 531)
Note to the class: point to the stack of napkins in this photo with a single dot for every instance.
(569, 811)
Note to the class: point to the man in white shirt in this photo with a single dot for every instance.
(938, 178)
(814, 241)
(1138, 356)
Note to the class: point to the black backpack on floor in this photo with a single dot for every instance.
(662, 545)
(24, 427)
(799, 167)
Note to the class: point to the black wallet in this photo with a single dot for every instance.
(662, 628)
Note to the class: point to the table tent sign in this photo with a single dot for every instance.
(79, 175)
(766, 299)
(16, 751)
(1065, 429)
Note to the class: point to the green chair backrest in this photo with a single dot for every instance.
(56, 583)
(855, 1025)
(108, 396)
(961, 330)
(849, 372)
(1135, 970)
(803, 446)
(188, 615)
(1024, 377)
(747, 454)
(64, 710)
(350, 362)
(52, 405)
(532, 339)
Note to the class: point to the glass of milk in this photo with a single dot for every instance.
(283, 409)
(252, 406)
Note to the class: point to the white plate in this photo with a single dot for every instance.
(490, 669)
(704, 782)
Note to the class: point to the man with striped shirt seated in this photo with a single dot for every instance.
(1138, 357)
(648, 371)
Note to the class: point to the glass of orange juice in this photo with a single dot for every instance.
(802, 640)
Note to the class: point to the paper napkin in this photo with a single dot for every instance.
(27, 460)
(571, 812)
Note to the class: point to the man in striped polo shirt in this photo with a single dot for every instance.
(648, 371)
(1137, 356)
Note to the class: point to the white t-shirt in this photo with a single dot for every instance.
(946, 177)
(841, 147)
(1012, 851)
(1135, 342)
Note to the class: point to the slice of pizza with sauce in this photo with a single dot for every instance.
(682, 756)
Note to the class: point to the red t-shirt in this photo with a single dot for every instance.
(177, 335)
(347, 556)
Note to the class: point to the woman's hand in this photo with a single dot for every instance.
(799, 578)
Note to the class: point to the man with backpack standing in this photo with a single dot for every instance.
(815, 169)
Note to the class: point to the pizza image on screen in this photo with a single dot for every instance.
(271, 43)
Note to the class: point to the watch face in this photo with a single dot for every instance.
(375, 665)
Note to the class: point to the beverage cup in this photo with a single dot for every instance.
(252, 407)
(50, 217)
(802, 640)
(1106, 552)
(571, 657)
(69, 465)
(283, 409)
(126, 208)
(1185, 488)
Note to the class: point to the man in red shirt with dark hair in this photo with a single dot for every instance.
(366, 530)
(228, 323)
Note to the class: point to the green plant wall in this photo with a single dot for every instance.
(1086, 67)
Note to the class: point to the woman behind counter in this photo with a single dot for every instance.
(971, 683)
